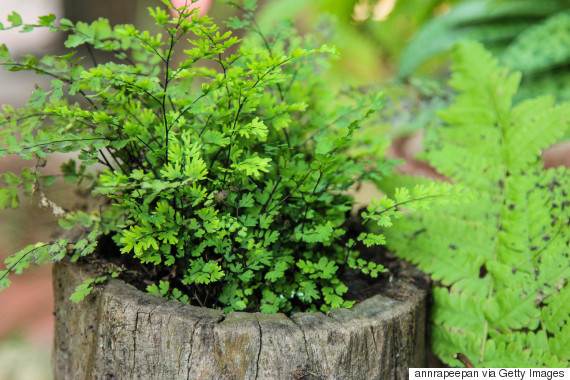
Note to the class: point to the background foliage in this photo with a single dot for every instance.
(529, 36)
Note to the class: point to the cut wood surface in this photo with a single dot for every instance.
(119, 332)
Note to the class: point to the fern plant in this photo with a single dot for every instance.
(232, 193)
(501, 264)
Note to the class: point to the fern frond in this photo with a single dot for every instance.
(559, 343)
(516, 349)
(535, 126)
(458, 310)
(510, 309)
(502, 261)
(448, 343)
(555, 313)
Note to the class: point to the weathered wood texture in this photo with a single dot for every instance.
(119, 332)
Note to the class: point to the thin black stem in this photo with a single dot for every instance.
(232, 136)
(292, 192)
(167, 127)
(307, 203)
(330, 124)
(105, 158)
(91, 54)
(288, 141)
(152, 47)
(139, 88)
(267, 46)
(44, 72)
(270, 70)
(206, 125)
(58, 141)
(185, 109)
(8, 270)
(220, 61)
(270, 196)
(115, 159)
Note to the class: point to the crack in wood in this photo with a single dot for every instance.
(191, 347)
(304, 338)
(260, 345)
(95, 336)
(135, 339)
(373, 337)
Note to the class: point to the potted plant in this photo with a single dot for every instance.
(222, 180)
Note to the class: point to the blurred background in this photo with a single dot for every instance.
(397, 46)
(26, 321)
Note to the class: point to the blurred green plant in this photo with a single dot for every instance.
(531, 36)
(369, 34)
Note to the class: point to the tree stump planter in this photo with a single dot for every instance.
(119, 332)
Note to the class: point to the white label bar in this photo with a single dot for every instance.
(490, 373)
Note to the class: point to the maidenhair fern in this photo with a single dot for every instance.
(500, 264)
(231, 182)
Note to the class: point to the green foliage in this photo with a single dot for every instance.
(237, 187)
(501, 265)
(530, 36)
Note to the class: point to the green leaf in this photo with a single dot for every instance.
(11, 179)
(4, 281)
(15, 19)
(161, 290)
(370, 239)
(247, 200)
(321, 233)
(46, 20)
(8, 198)
(37, 99)
(235, 23)
(4, 53)
(82, 291)
(253, 166)
(74, 40)
(487, 21)
(308, 292)
(333, 300)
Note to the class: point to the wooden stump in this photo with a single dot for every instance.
(119, 332)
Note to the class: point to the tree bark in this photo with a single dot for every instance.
(119, 332)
